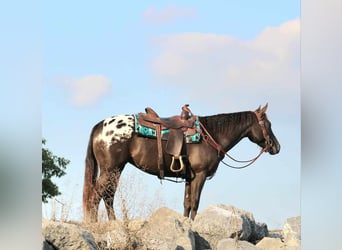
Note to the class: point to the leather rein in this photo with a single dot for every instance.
(211, 141)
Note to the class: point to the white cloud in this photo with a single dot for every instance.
(221, 65)
(169, 14)
(87, 90)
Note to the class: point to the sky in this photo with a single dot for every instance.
(103, 59)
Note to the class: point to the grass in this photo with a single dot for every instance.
(132, 205)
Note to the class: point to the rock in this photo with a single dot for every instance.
(278, 233)
(116, 234)
(217, 227)
(223, 221)
(112, 234)
(268, 243)
(167, 229)
(292, 233)
(227, 244)
(47, 246)
(59, 235)
(260, 231)
(201, 243)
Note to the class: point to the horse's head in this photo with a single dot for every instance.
(262, 134)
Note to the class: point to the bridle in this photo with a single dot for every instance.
(261, 122)
(211, 141)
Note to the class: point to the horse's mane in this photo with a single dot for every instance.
(224, 122)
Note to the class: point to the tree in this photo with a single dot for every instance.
(52, 166)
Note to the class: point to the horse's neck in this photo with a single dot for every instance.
(229, 129)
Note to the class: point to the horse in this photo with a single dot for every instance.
(113, 143)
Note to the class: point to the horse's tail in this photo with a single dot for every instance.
(90, 175)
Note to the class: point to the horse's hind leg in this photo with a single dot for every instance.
(106, 187)
(108, 197)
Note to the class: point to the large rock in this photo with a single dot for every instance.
(219, 222)
(292, 233)
(59, 235)
(268, 243)
(227, 244)
(167, 229)
(117, 234)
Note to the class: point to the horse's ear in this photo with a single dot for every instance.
(258, 109)
(263, 110)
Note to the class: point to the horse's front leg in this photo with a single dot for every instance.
(196, 189)
(187, 199)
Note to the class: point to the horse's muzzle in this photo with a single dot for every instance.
(274, 148)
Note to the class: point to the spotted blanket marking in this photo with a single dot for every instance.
(117, 129)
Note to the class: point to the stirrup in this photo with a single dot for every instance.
(173, 162)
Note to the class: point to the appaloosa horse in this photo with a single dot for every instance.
(114, 142)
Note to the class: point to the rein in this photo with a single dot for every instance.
(211, 141)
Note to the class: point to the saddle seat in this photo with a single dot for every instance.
(151, 119)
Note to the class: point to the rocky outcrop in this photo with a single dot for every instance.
(222, 221)
(116, 234)
(269, 243)
(287, 239)
(167, 229)
(65, 236)
(233, 244)
(217, 227)
(292, 233)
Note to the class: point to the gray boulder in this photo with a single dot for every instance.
(219, 222)
(59, 235)
(269, 243)
(166, 229)
(292, 233)
(231, 244)
(117, 234)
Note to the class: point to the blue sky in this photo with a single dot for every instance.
(226, 56)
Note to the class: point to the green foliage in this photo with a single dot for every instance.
(52, 166)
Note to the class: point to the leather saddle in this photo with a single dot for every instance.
(151, 118)
(178, 126)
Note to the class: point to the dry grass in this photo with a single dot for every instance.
(132, 205)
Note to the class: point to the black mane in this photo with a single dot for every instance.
(225, 122)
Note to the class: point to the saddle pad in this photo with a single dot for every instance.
(150, 132)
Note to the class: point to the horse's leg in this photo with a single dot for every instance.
(187, 199)
(196, 189)
(105, 189)
(109, 203)
(108, 197)
(94, 206)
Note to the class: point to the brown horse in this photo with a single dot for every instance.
(113, 143)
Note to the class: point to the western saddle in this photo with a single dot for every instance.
(178, 126)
